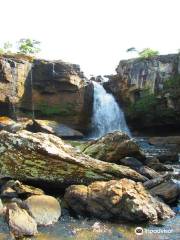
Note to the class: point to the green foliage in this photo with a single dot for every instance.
(147, 53)
(144, 105)
(172, 83)
(67, 109)
(29, 46)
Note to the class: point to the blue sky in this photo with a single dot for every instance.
(93, 33)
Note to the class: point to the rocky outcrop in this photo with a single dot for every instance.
(46, 89)
(113, 147)
(149, 90)
(45, 159)
(114, 200)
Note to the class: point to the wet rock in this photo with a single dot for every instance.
(113, 200)
(155, 164)
(47, 160)
(168, 191)
(156, 181)
(139, 167)
(168, 157)
(113, 147)
(53, 127)
(44, 209)
(20, 222)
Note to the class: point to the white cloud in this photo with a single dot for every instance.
(92, 33)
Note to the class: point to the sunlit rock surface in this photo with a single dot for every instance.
(113, 200)
(46, 159)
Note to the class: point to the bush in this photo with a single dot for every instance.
(172, 83)
(148, 52)
(144, 106)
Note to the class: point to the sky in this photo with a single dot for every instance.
(92, 33)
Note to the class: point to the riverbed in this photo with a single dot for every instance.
(69, 227)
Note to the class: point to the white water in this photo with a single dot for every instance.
(107, 115)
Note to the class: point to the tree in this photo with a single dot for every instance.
(28, 46)
(147, 53)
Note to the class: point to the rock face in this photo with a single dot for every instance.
(13, 76)
(113, 147)
(113, 200)
(20, 223)
(46, 159)
(44, 209)
(46, 89)
(149, 90)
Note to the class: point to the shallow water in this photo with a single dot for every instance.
(84, 229)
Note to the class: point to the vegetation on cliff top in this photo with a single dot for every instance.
(26, 49)
(145, 53)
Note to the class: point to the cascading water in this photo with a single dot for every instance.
(107, 115)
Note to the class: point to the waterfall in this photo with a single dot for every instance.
(53, 71)
(107, 115)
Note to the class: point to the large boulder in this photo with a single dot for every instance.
(44, 209)
(117, 200)
(45, 159)
(168, 191)
(53, 127)
(20, 222)
(139, 167)
(113, 147)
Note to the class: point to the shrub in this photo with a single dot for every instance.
(172, 83)
(148, 52)
(28, 46)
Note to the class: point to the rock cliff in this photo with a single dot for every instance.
(46, 89)
(149, 90)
